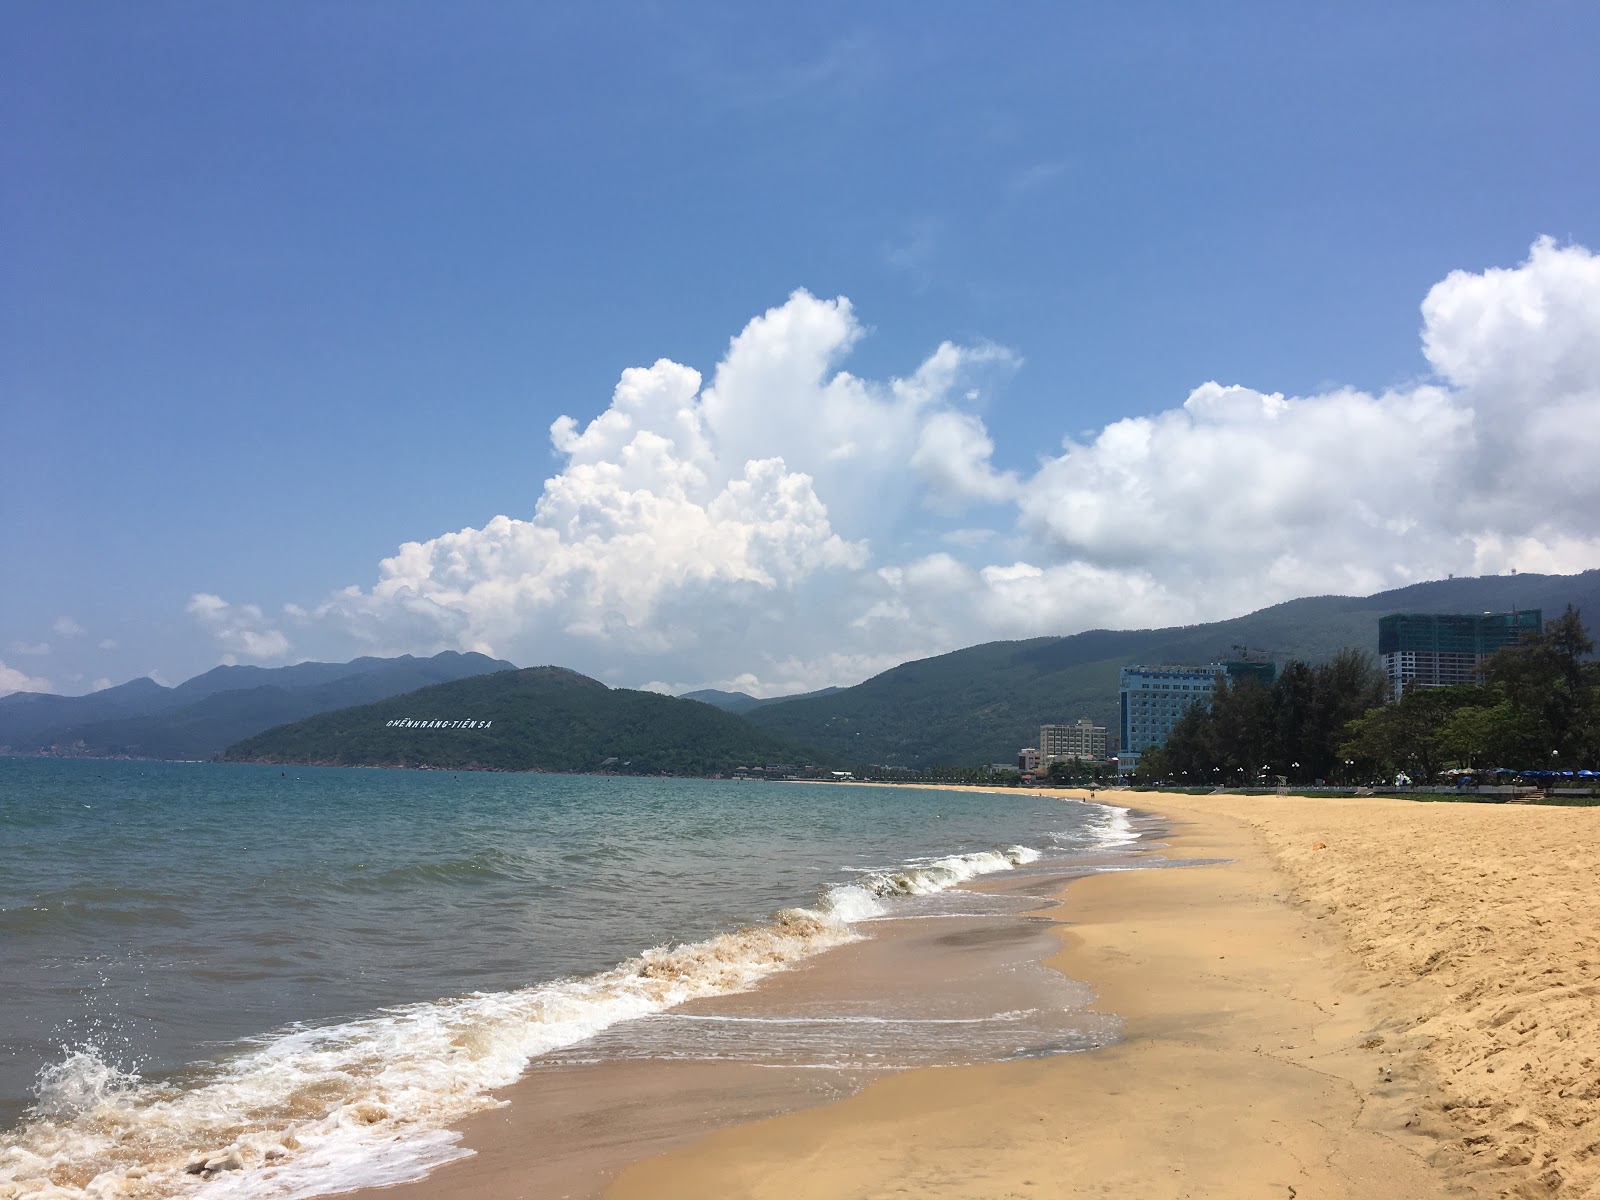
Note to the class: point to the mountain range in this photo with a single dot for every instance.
(202, 716)
(743, 702)
(970, 706)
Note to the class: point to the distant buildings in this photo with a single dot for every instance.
(1437, 649)
(1063, 743)
(1153, 698)
(1028, 759)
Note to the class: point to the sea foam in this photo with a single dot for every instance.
(1112, 827)
(314, 1110)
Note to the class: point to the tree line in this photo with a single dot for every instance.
(1537, 708)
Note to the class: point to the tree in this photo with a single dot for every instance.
(1549, 681)
(1410, 735)
(1292, 728)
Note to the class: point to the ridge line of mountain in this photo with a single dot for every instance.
(969, 706)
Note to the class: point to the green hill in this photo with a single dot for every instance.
(981, 704)
(539, 719)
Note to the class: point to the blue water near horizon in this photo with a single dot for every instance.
(182, 937)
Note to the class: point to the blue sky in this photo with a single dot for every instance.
(290, 286)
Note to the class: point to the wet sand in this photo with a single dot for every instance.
(1368, 998)
(917, 992)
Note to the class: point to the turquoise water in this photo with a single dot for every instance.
(201, 954)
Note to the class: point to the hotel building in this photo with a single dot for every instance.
(1063, 743)
(1153, 698)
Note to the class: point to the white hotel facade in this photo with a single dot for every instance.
(1152, 700)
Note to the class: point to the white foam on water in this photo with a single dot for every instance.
(310, 1111)
(928, 876)
(1112, 827)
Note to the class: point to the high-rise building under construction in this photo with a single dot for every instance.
(1437, 649)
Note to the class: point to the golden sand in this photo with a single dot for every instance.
(1353, 998)
(1477, 929)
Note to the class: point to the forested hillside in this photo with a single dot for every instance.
(980, 704)
(540, 719)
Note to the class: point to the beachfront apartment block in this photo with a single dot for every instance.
(1062, 743)
(1153, 698)
(1439, 649)
(1028, 759)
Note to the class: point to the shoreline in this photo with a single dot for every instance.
(1240, 1071)
(1324, 1011)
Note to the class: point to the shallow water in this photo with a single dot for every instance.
(314, 970)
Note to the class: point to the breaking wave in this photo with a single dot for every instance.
(308, 1111)
(1111, 827)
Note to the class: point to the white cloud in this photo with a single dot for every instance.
(953, 456)
(31, 649)
(66, 627)
(770, 531)
(1255, 497)
(100, 684)
(241, 630)
(967, 537)
(108, 643)
(687, 522)
(13, 680)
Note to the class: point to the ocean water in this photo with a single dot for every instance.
(265, 982)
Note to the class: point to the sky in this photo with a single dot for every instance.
(720, 346)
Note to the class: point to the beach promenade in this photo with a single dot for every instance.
(1342, 998)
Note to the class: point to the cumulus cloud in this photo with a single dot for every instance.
(1255, 494)
(241, 630)
(31, 649)
(953, 456)
(776, 529)
(13, 680)
(687, 521)
(66, 627)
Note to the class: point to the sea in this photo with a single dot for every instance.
(251, 981)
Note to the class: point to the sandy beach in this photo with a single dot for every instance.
(1338, 998)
